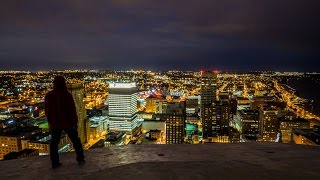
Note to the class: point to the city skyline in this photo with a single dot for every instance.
(119, 108)
(114, 35)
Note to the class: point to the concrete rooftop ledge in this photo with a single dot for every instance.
(152, 162)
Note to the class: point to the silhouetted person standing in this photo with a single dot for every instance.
(62, 116)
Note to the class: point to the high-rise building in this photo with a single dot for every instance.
(224, 111)
(77, 91)
(122, 102)
(208, 118)
(175, 117)
(223, 116)
(269, 124)
(207, 103)
(208, 87)
(248, 122)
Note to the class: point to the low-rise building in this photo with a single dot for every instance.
(287, 126)
(307, 136)
(98, 127)
(41, 142)
(155, 134)
(148, 125)
(10, 138)
(26, 153)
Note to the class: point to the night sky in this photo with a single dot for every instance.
(229, 35)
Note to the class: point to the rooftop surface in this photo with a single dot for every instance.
(152, 162)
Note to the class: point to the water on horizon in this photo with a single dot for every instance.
(308, 88)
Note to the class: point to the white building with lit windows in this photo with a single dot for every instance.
(122, 102)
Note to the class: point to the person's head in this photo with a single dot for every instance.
(59, 82)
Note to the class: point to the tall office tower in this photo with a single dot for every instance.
(207, 103)
(175, 117)
(248, 122)
(208, 87)
(122, 102)
(269, 124)
(77, 91)
(223, 113)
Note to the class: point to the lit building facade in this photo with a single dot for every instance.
(10, 139)
(77, 91)
(175, 118)
(192, 105)
(25, 153)
(153, 125)
(309, 136)
(9, 144)
(155, 134)
(287, 127)
(208, 103)
(223, 115)
(161, 106)
(98, 127)
(208, 117)
(151, 104)
(269, 124)
(41, 142)
(248, 122)
(122, 102)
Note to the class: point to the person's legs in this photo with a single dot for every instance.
(55, 140)
(73, 135)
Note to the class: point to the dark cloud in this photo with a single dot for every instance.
(125, 34)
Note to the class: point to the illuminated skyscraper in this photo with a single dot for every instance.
(207, 103)
(175, 117)
(77, 91)
(225, 108)
(208, 87)
(269, 124)
(122, 102)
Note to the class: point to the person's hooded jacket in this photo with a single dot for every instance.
(59, 106)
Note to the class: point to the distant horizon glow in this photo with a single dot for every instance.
(146, 70)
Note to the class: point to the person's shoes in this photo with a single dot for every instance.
(54, 166)
(82, 162)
